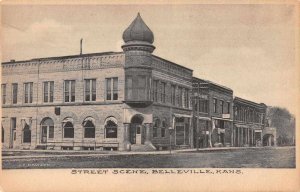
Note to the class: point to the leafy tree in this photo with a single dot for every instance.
(284, 122)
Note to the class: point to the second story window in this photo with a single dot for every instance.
(163, 92)
(69, 91)
(3, 91)
(48, 91)
(179, 97)
(90, 90)
(173, 94)
(155, 90)
(228, 107)
(203, 106)
(112, 88)
(28, 91)
(222, 106)
(215, 105)
(14, 93)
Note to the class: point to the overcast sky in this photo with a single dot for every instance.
(249, 48)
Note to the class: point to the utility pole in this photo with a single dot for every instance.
(81, 46)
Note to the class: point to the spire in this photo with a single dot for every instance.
(138, 31)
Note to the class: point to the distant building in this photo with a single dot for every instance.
(212, 106)
(249, 122)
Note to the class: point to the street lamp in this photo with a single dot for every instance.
(171, 129)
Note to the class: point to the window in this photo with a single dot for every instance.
(203, 106)
(163, 128)
(28, 92)
(155, 90)
(155, 127)
(141, 87)
(179, 97)
(111, 129)
(89, 129)
(14, 93)
(69, 91)
(163, 92)
(13, 127)
(173, 94)
(112, 88)
(26, 134)
(48, 91)
(68, 130)
(222, 106)
(90, 90)
(3, 91)
(185, 98)
(129, 87)
(228, 107)
(2, 138)
(215, 105)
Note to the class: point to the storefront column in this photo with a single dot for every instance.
(253, 142)
(248, 136)
(148, 134)
(238, 137)
(242, 136)
(127, 144)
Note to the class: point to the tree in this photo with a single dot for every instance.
(284, 122)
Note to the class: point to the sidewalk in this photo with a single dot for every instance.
(24, 154)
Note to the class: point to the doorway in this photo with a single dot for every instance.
(47, 130)
(136, 130)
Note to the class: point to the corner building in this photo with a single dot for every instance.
(101, 101)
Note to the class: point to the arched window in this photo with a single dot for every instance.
(163, 128)
(2, 138)
(155, 127)
(89, 128)
(68, 128)
(111, 128)
(26, 134)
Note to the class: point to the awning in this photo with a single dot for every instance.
(26, 121)
(221, 119)
(242, 126)
(89, 119)
(182, 115)
(204, 118)
(68, 119)
(111, 119)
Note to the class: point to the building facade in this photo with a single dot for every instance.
(113, 100)
(212, 106)
(249, 123)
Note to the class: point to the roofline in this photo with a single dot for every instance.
(173, 63)
(249, 102)
(213, 83)
(64, 57)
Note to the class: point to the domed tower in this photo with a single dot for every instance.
(138, 47)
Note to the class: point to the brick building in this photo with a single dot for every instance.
(112, 100)
(249, 123)
(212, 106)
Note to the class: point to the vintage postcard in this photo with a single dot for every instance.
(139, 96)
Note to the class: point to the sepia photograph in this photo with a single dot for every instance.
(151, 89)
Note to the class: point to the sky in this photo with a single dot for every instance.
(248, 48)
